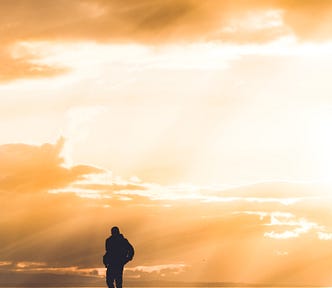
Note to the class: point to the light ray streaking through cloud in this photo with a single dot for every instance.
(201, 128)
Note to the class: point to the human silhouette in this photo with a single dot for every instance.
(118, 253)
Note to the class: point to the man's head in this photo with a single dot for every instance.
(115, 231)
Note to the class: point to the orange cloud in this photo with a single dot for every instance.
(26, 168)
(62, 234)
(152, 22)
(14, 67)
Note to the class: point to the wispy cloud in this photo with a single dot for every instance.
(44, 268)
(175, 268)
(5, 263)
(324, 236)
(301, 226)
(25, 65)
(28, 265)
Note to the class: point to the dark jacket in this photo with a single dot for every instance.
(118, 251)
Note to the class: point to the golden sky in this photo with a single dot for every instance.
(137, 113)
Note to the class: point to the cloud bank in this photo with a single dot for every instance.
(60, 236)
(152, 22)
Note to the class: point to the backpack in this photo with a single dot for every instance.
(106, 259)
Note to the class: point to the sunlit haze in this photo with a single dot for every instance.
(203, 129)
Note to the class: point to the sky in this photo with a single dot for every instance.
(137, 113)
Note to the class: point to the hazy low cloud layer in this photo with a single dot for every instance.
(63, 234)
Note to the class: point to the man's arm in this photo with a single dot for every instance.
(106, 256)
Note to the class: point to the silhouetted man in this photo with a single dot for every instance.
(118, 253)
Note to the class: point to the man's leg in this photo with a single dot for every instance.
(118, 276)
(109, 277)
